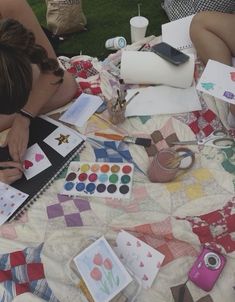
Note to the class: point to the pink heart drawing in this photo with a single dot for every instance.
(138, 244)
(38, 157)
(27, 164)
(149, 254)
(232, 74)
(158, 264)
(145, 278)
(141, 264)
(128, 243)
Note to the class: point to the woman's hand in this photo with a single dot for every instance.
(17, 138)
(10, 171)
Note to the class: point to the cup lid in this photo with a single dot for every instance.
(139, 21)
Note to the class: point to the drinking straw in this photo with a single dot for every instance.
(139, 9)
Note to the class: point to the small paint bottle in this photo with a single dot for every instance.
(115, 43)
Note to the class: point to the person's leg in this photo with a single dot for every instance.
(212, 34)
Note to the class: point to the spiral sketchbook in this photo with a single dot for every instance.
(40, 129)
(176, 33)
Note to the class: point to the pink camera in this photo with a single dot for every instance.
(206, 269)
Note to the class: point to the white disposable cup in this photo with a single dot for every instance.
(115, 43)
(139, 26)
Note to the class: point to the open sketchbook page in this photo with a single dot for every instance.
(176, 33)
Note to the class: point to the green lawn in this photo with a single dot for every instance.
(106, 19)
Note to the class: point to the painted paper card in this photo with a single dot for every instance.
(82, 109)
(104, 274)
(35, 161)
(63, 140)
(218, 80)
(143, 260)
(10, 200)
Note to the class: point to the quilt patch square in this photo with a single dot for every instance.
(17, 258)
(54, 210)
(73, 220)
(82, 205)
(69, 211)
(35, 271)
(22, 271)
(162, 138)
(5, 275)
(21, 288)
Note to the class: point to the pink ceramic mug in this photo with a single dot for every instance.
(160, 170)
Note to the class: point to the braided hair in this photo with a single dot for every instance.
(18, 51)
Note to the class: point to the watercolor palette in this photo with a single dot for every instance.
(100, 179)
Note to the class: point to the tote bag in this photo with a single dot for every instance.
(65, 16)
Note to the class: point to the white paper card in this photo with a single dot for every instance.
(81, 110)
(63, 140)
(162, 100)
(143, 260)
(102, 271)
(218, 80)
(34, 161)
(10, 200)
(176, 33)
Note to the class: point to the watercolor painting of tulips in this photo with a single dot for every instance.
(102, 271)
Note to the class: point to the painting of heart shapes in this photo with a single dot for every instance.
(28, 164)
(35, 161)
(38, 157)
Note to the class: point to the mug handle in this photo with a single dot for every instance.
(191, 157)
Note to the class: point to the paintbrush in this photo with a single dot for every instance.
(132, 97)
(146, 142)
(175, 161)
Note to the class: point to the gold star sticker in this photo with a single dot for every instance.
(63, 139)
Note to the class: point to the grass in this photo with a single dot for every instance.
(105, 19)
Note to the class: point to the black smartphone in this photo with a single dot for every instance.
(170, 53)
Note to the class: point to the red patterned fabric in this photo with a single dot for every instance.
(87, 77)
(160, 236)
(215, 229)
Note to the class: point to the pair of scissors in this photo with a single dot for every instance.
(218, 139)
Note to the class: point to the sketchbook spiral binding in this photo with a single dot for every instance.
(185, 46)
(37, 185)
(31, 201)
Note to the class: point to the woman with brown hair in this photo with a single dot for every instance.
(31, 80)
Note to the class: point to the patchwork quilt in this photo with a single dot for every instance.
(177, 218)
